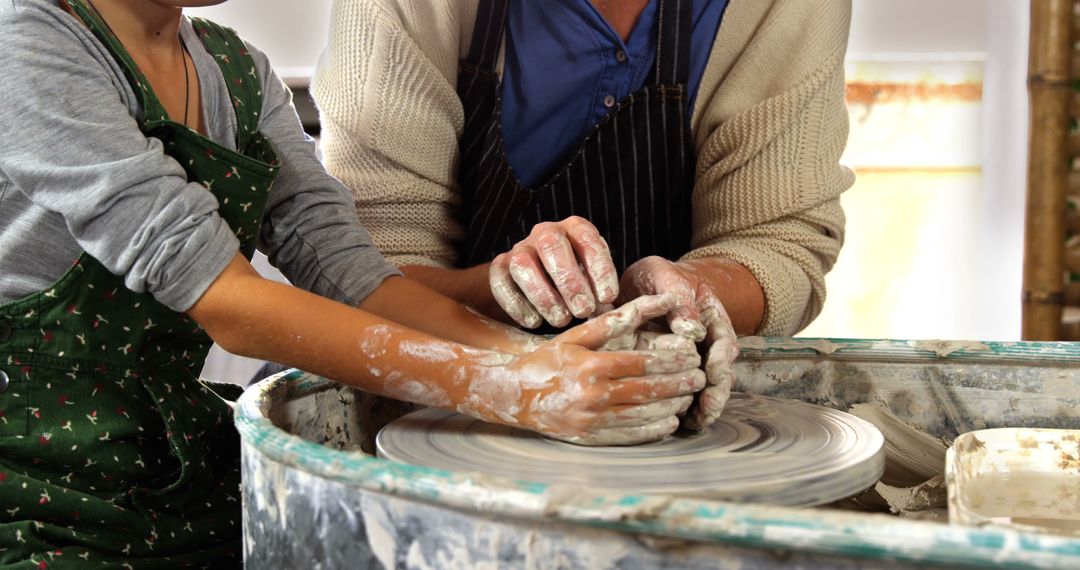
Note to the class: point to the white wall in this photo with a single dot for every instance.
(964, 280)
(994, 305)
(995, 32)
(291, 32)
(920, 26)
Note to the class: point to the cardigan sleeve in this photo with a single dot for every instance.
(769, 139)
(391, 119)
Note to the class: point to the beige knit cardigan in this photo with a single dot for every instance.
(769, 127)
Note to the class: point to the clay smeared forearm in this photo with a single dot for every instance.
(564, 388)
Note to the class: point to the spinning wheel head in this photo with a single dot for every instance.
(766, 450)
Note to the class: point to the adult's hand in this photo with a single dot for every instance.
(569, 390)
(562, 270)
(697, 315)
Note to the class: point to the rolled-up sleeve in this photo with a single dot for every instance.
(69, 143)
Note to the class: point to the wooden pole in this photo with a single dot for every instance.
(1049, 88)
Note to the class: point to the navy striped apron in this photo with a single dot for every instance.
(631, 177)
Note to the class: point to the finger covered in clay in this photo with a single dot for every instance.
(659, 387)
(724, 343)
(619, 322)
(558, 259)
(509, 296)
(722, 352)
(656, 340)
(529, 275)
(631, 435)
(707, 408)
(636, 415)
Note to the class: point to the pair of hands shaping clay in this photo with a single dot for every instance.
(564, 270)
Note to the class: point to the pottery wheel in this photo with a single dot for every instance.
(765, 450)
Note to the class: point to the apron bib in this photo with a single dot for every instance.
(112, 452)
(631, 177)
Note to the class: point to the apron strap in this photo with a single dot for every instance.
(487, 34)
(153, 110)
(673, 43)
(228, 50)
(241, 78)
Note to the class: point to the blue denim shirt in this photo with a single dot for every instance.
(564, 68)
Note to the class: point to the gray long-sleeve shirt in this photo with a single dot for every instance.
(76, 174)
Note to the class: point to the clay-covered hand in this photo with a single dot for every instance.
(698, 315)
(568, 390)
(562, 270)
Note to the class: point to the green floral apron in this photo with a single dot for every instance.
(112, 453)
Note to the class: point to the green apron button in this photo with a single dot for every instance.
(5, 330)
(4, 382)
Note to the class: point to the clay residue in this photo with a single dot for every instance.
(821, 346)
(911, 456)
(970, 445)
(430, 351)
(944, 348)
(562, 500)
(424, 392)
(1065, 384)
(927, 501)
(752, 343)
(926, 497)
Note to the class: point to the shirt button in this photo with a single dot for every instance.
(609, 101)
(4, 382)
(620, 56)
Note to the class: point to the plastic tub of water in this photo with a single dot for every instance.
(1026, 479)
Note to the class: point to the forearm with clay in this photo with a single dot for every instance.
(564, 388)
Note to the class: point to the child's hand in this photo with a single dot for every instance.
(568, 390)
